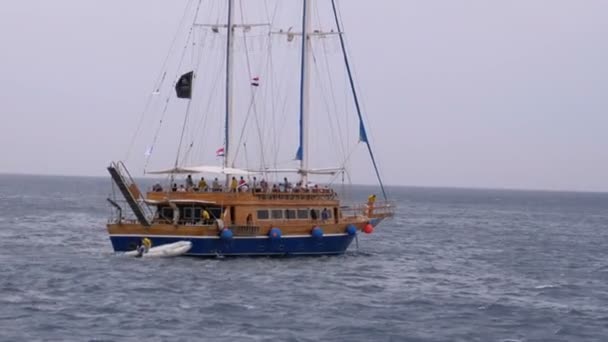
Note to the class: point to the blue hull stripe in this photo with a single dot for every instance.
(187, 237)
(243, 246)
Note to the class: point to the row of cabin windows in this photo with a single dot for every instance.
(189, 213)
(291, 214)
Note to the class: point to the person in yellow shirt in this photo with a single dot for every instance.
(146, 243)
(202, 185)
(233, 184)
(143, 247)
(205, 216)
(370, 204)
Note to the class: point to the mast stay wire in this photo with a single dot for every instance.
(278, 121)
(274, 89)
(325, 101)
(206, 108)
(333, 97)
(168, 99)
(357, 104)
(252, 105)
(159, 80)
(187, 115)
(169, 96)
(203, 118)
(331, 118)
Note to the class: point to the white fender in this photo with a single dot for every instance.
(220, 224)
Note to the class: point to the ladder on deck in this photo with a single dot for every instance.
(129, 190)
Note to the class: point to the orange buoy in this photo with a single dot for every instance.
(368, 229)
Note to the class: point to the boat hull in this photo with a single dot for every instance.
(208, 246)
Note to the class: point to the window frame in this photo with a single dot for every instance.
(306, 214)
(257, 213)
(276, 211)
(294, 215)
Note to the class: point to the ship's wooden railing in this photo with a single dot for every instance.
(385, 208)
(322, 195)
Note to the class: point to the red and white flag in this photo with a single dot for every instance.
(219, 152)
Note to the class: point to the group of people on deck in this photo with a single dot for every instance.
(242, 185)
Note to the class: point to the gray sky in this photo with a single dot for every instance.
(476, 93)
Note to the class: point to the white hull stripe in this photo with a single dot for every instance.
(217, 237)
(264, 254)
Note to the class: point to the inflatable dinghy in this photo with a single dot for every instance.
(164, 251)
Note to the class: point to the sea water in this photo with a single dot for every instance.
(453, 265)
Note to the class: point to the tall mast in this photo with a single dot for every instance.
(302, 154)
(229, 85)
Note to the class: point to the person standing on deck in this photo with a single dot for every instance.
(242, 185)
(325, 214)
(371, 200)
(286, 185)
(313, 214)
(216, 185)
(189, 183)
(264, 185)
(202, 185)
(233, 185)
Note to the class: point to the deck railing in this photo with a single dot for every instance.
(379, 208)
(322, 195)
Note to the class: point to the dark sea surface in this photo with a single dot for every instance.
(453, 265)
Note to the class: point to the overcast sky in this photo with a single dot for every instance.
(472, 93)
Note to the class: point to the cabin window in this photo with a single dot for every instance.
(167, 213)
(290, 214)
(188, 213)
(214, 212)
(277, 213)
(303, 214)
(314, 214)
(196, 213)
(263, 215)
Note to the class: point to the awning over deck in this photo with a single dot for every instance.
(325, 171)
(203, 169)
(177, 201)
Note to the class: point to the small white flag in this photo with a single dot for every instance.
(148, 151)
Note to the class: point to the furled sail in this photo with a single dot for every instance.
(183, 87)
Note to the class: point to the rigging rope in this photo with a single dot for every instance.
(333, 96)
(204, 117)
(352, 84)
(252, 104)
(327, 107)
(184, 50)
(159, 80)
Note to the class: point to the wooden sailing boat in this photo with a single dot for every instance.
(256, 219)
